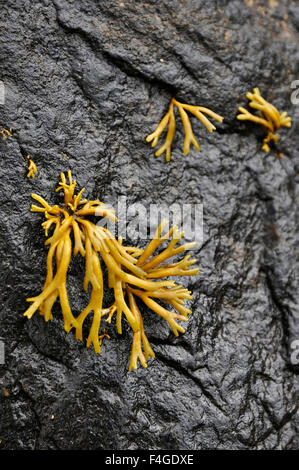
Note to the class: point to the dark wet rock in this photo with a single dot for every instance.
(91, 80)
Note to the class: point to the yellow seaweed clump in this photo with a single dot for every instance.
(133, 273)
(268, 117)
(169, 119)
(5, 133)
(32, 170)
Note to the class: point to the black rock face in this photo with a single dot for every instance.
(91, 80)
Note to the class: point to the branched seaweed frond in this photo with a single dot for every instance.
(32, 170)
(132, 272)
(169, 119)
(5, 133)
(268, 117)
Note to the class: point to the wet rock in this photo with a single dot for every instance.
(90, 80)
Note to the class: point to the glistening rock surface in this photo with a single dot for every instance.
(91, 79)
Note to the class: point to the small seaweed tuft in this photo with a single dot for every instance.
(268, 117)
(5, 133)
(133, 273)
(169, 119)
(32, 170)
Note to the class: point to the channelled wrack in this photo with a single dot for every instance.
(268, 117)
(133, 273)
(5, 133)
(169, 119)
(32, 170)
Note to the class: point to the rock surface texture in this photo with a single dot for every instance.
(91, 79)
